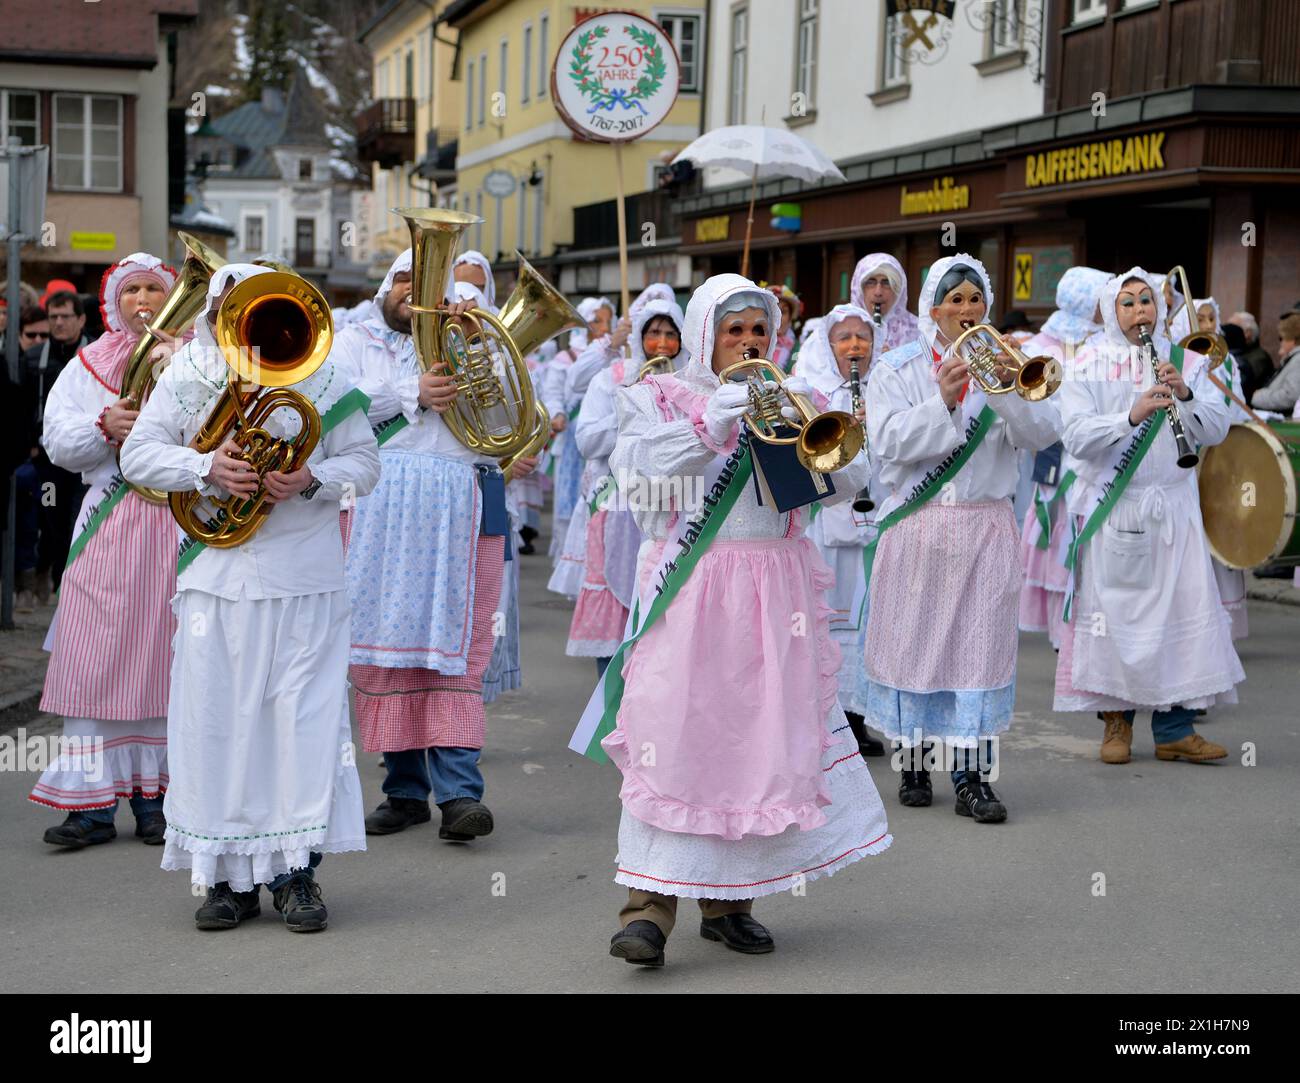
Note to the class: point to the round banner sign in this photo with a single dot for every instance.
(615, 77)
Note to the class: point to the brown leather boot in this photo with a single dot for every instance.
(1193, 748)
(1117, 743)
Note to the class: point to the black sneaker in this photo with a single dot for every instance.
(224, 909)
(151, 828)
(397, 814)
(298, 899)
(463, 819)
(640, 942)
(976, 799)
(79, 831)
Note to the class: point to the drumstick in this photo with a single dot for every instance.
(1253, 416)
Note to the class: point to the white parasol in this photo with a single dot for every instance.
(763, 152)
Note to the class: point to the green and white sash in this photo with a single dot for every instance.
(682, 551)
(112, 496)
(1124, 465)
(343, 408)
(607, 488)
(1043, 509)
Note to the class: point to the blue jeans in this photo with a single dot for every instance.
(310, 870)
(972, 759)
(447, 773)
(1168, 726)
(139, 806)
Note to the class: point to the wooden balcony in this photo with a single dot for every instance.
(386, 132)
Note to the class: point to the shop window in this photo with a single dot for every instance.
(685, 33)
(88, 142)
(20, 112)
(739, 65)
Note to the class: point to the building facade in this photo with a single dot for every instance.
(93, 82)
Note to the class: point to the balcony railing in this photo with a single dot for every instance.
(386, 132)
(595, 225)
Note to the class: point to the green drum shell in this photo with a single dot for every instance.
(1248, 487)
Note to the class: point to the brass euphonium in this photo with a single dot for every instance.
(1036, 378)
(274, 330)
(495, 411)
(823, 442)
(184, 301)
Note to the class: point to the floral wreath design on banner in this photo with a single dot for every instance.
(590, 86)
(615, 77)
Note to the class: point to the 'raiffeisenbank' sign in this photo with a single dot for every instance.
(1096, 160)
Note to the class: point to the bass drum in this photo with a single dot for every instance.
(1248, 495)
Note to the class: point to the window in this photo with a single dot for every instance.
(505, 70)
(739, 61)
(1087, 10)
(424, 67)
(88, 142)
(685, 33)
(893, 71)
(381, 80)
(20, 116)
(1004, 27)
(543, 57)
(482, 86)
(410, 72)
(469, 97)
(478, 226)
(805, 65)
(305, 242)
(528, 64)
(255, 234)
(304, 169)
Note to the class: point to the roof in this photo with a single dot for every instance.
(105, 35)
(273, 121)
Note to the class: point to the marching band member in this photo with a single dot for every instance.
(1045, 533)
(1146, 628)
(879, 283)
(613, 539)
(941, 630)
(474, 268)
(785, 345)
(826, 360)
(424, 571)
(732, 789)
(263, 780)
(111, 637)
(599, 314)
(1231, 581)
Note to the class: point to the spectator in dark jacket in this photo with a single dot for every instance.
(1255, 356)
(1284, 389)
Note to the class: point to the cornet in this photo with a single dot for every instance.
(274, 330)
(1036, 378)
(823, 443)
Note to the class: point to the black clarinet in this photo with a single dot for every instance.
(1187, 457)
(862, 503)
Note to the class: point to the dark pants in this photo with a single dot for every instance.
(662, 909)
(447, 773)
(58, 502)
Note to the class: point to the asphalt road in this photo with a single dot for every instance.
(1199, 866)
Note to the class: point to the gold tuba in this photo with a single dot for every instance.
(1036, 378)
(275, 330)
(823, 442)
(495, 412)
(184, 301)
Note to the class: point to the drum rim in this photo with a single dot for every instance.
(1274, 444)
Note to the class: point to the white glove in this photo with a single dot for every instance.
(795, 385)
(724, 408)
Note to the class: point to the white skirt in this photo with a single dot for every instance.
(263, 769)
(571, 564)
(102, 760)
(711, 867)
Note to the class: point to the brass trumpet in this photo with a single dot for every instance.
(654, 366)
(495, 411)
(1036, 378)
(274, 330)
(823, 443)
(184, 301)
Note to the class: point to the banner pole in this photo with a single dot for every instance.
(622, 229)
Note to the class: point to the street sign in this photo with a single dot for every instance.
(615, 77)
(499, 184)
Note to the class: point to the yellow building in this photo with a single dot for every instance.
(408, 135)
(519, 167)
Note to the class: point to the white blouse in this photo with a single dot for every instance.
(70, 436)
